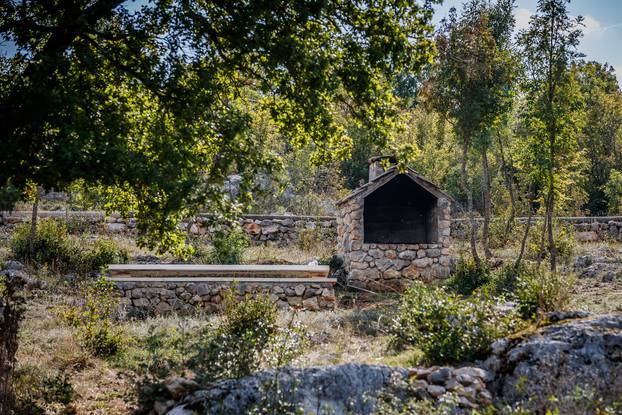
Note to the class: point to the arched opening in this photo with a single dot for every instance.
(400, 212)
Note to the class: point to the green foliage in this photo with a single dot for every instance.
(247, 338)
(55, 248)
(9, 195)
(469, 276)
(505, 280)
(49, 244)
(92, 317)
(601, 135)
(564, 240)
(552, 110)
(446, 327)
(40, 393)
(613, 192)
(538, 291)
(228, 246)
(389, 404)
(310, 238)
(157, 105)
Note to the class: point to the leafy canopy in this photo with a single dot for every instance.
(156, 105)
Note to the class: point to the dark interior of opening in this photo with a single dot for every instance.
(400, 212)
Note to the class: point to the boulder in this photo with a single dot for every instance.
(337, 390)
(589, 236)
(558, 360)
(179, 386)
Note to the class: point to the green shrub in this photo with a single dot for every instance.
(310, 238)
(49, 245)
(565, 242)
(469, 276)
(446, 327)
(228, 246)
(92, 318)
(42, 393)
(247, 338)
(101, 253)
(540, 290)
(61, 252)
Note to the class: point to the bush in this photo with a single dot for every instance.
(505, 280)
(565, 242)
(247, 339)
(228, 246)
(469, 276)
(50, 244)
(42, 393)
(446, 327)
(92, 318)
(538, 291)
(101, 253)
(55, 248)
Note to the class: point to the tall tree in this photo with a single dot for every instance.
(552, 101)
(152, 105)
(471, 84)
(601, 136)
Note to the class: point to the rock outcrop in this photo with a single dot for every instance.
(337, 390)
(560, 360)
(603, 265)
(344, 389)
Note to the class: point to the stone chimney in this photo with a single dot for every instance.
(375, 165)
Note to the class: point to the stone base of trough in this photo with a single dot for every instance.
(152, 298)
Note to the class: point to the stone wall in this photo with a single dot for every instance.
(390, 267)
(285, 229)
(148, 298)
(279, 229)
(588, 229)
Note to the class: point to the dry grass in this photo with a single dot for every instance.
(48, 348)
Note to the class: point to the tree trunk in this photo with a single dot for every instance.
(33, 224)
(527, 228)
(11, 311)
(549, 219)
(467, 191)
(543, 236)
(507, 179)
(486, 194)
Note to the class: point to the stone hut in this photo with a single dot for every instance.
(394, 229)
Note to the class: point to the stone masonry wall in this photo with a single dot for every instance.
(390, 267)
(588, 229)
(149, 298)
(283, 230)
(279, 229)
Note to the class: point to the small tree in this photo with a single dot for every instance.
(471, 85)
(552, 103)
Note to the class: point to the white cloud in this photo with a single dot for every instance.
(592, 27)
(522, 17)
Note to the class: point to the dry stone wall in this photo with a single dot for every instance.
(278, 229)
(587, 229)
(149, 298)
(285, 229)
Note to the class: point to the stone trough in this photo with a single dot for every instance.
(160, 289)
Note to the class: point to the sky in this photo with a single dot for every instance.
(602, 39)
